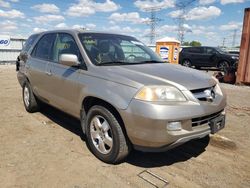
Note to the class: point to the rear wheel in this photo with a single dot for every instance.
(29, 99)
(105, 136)
(186, 63)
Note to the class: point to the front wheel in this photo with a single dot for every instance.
(223, 65)
(105, 136)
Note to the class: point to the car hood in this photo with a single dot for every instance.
(157, 74)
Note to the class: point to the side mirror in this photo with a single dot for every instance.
(69, 60)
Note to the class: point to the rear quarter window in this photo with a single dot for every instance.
(30, 41)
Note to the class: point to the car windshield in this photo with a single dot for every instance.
(221, 51)
(112, 49)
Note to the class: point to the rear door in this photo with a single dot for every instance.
(196, 56)
(39, 65)
(66, 89)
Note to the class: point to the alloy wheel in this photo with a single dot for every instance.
(186, 63)
(26, 96)
(101, 134)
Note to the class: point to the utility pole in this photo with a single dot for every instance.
(182, 6)
(234, 37)
(223, 42)
(153, 21)
(181, 29)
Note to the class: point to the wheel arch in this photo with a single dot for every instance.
(222, 60)
(22, 78)
(90, 101)
(186, 59)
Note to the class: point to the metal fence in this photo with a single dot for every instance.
(10, 55)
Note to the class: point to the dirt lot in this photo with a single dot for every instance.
(47, 149)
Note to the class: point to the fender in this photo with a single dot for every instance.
(120, 99)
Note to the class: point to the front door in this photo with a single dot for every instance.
(66, 89)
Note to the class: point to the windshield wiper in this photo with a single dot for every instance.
(113, 63)
(128, 63)
(151, 61)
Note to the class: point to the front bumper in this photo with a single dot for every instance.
(146, 123)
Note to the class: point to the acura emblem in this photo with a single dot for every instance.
(210, 94)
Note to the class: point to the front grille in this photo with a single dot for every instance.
(205, 119)
(204, 94)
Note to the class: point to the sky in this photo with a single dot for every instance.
(211, 22)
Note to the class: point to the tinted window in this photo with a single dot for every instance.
(65, 44)
(44, 47)
(185, 50)
(210, 50)
(195, 50)
(29, 42)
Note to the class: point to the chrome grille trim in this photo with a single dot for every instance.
(205, 119)
(202, 95)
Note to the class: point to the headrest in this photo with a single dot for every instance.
(104, 46)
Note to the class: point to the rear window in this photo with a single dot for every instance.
(30, 42)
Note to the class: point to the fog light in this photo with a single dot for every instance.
(174, 126)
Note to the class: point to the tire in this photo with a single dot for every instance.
(105, 137)
(186, 63)
(29, 100)
(197, 67)
(223, 65)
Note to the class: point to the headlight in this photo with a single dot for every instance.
(235, 57)
(217, 89)
(160, 93)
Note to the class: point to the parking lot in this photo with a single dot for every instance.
(47, 149)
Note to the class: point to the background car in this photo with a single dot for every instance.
(205, 56)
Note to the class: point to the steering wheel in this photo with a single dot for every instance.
(130, 58)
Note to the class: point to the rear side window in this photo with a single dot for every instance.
(195, 50)
(43, 49)
(29, 42)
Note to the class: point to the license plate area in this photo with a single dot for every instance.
(217, 124)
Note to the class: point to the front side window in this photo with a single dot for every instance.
(44, 47)
(64, 44)
(111, 49)
(210, 51)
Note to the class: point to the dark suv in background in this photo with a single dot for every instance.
(207, 57)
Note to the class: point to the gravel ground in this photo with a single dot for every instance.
(47, 149)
